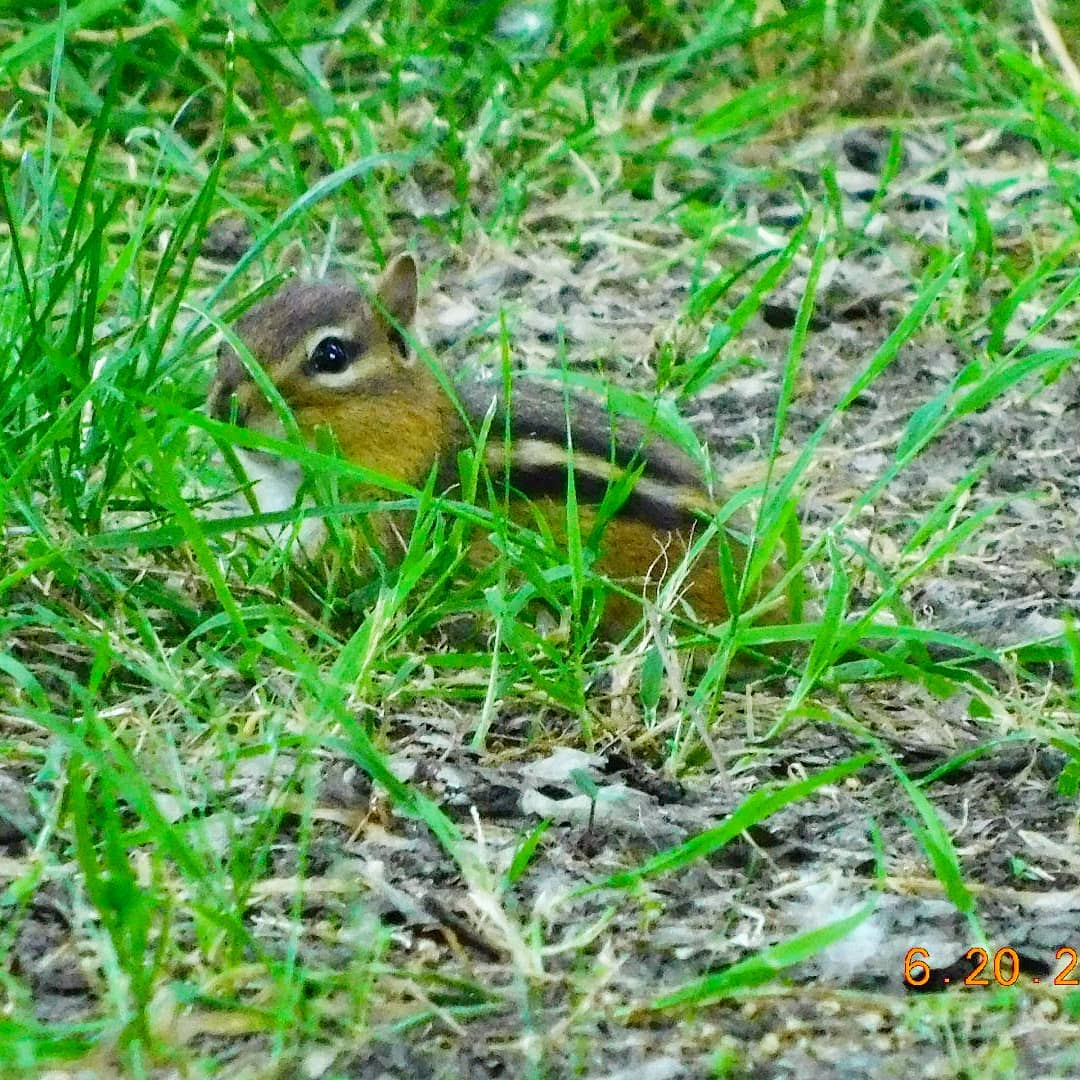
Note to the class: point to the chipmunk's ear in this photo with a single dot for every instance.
(397, 289)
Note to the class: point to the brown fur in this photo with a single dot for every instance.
(639, 557)
(405, 450)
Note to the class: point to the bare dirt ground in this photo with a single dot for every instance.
(613, 279)
(616, 295)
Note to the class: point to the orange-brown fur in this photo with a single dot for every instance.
(639, 557)
(405, 450)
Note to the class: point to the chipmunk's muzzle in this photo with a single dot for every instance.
(226, 386)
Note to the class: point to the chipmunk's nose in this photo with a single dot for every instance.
(221, 405)
(226, 383)
(220, 401)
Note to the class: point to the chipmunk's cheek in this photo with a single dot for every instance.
(264, 423)
(275, 483)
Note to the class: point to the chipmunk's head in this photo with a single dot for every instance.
(324, 345)
(339, 359)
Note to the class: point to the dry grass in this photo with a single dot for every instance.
(424, 834)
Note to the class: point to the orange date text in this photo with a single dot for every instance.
(1004, 967)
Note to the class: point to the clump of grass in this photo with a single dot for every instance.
(171, 713)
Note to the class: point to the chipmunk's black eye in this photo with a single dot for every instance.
(331, 356)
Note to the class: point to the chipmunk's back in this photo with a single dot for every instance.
(551, 427)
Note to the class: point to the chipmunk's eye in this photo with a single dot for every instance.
(330, 356)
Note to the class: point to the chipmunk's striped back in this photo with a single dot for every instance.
(551, 428)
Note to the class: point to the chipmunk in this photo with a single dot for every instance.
(343, 363)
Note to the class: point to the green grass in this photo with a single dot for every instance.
(170, 717)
